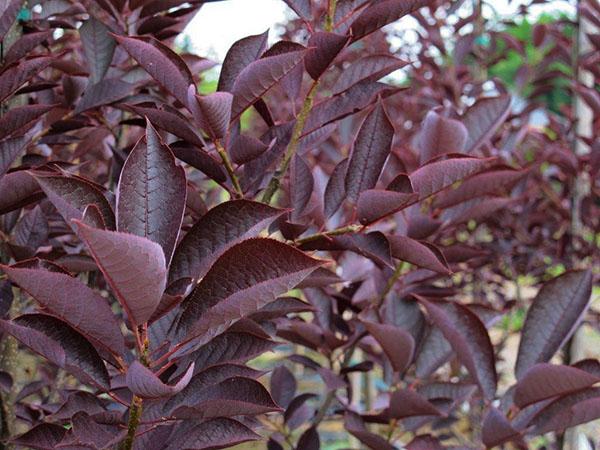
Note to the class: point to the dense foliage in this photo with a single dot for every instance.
(156, 240)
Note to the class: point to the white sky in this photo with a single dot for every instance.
(218, 25)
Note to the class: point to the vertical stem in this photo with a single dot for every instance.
(135, 413)
(330, 15)
(234, 179)
(275, 181)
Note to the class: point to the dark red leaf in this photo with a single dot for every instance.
(151, 193)
(90, 314)
(421, 254)
(16, 119)
(145, 384)
(211, 112)
(239, 56)
(133, 266)
(106, 91)
(309, 440)
(440, 135)
(45, 436)
(371, 149)
(215, 433)
(354, 424)
(98, 47)
(375, 204)
(552, 318)
(219, 229)
(246, 148)
(368, 68)
(9, 15)
(483, 119)
(408, 403)
(323, 48)
(18, 74)
(496, 429)
(335, 192)
(301, 186)
(283, 386)
(9, 150)
(397, 344)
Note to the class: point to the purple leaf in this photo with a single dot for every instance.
(98, 47)
(421, 254)
(408, 403)
(200, 160)
(375, 204)
(440, 135)
(71, 195)
(283, 386)
(263, 268)
(25, 44)
(235, 396)
(151, 193)
(231, 347)
(301, 186)
(301, 7)
(323, 48)
(215, 433)
(8, 16)
(145, 384)
(18, 189)
(60, 344)
(496, 429)
(17, 119)
(371, 149)
(483, 119)
(9, 150)
(568, 411)
(368, 68)
(335, 192)
(354, 424)
(469, 339)
(211, 112)
(309, 440)
(382, 13)
(106, 91)
(543, 381)
(171, 122)
(259, 77)
(89, 432)
(239, 56)
(18, 74)
(553, 317)
(246, 148)
(397, 344)
(45, 436)
(133, 266)
(439, 175)
(220, 228)
(162, 63)
(90, 314)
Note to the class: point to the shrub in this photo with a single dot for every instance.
(156, 240)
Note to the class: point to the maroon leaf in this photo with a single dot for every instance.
(60, 344)
(235, 396)
(439, 175)
(381, 14)
(18, 189)
(483, 119)
(552, 318)
(543, 381)
(239, 56)
(162, 63)
(18, 74)
(71, 195)
(408, 403)
(31, 230)
(9, 150)
(335, 192)
(397, 344)
(219, 229)
(90, 314)
(200, 160)
(16, 119)
(309, 440)
(371, 149)
(145, 384)
(301, 7)
(354, 424)
(263, 268)
(368, 68)
(469, 339)
(496, 429)
(420, 254)
(106, 91)
(441, 135)
(323, 48)
(212, 112)
(283, 386)
(231, 347)
(375, 204)
(301, 186)
(98, 47)
(45, 436)
(246, 148)
(259, 77)
(568, 411)
(151, 194)
(169, 121)
(214, 433)
(133, 266)
(89, 432)
(9, 15)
